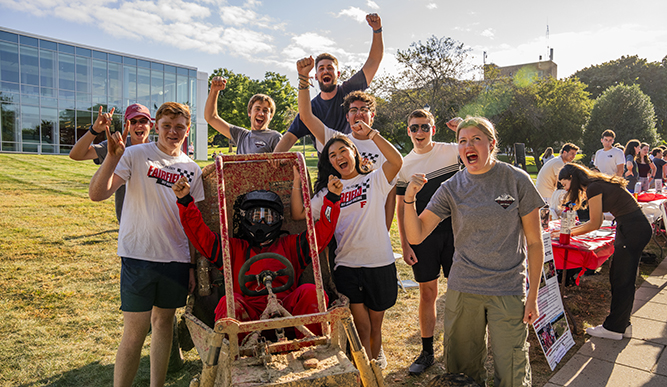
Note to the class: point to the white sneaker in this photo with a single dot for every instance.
(628, 332)
(382, 359)
(600, 331)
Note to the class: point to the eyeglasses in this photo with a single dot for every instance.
(141, 121)
(363, 110)
(259, 214)
(424, 127)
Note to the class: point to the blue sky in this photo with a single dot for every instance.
(253, 36)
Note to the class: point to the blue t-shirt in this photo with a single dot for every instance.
(330, 112)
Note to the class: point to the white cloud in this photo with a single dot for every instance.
(488, 33)
(372, 5)
(355, 13)
(176, 23)
(431, 6)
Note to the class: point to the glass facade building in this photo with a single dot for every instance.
(50, 91)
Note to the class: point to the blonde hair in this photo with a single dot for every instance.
(485, 126)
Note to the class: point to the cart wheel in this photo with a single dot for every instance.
(288, 271)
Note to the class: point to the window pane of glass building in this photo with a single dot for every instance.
(157, 90)
(66, 72)
(130, 89)
(9, 124)
(100, 79)
(115, 86)
(29, 66)
(144, 87)
(30, 128)
(169, 87)
(66, 120)
(83, 75)
(49, 125)
(47, 68)
(9, 62)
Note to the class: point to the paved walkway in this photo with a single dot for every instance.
(639, 361)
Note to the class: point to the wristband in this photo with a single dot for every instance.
(193, 266)
(94, 133)
(377, 31)
(372, 134)
(412, 202)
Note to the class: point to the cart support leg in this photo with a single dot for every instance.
(368, 377)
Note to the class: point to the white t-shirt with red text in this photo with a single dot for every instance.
(151, 228)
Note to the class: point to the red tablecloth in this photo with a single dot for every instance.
(587, 251)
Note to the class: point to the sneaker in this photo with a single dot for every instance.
(628, 332)
(381, 359)
(423, 361)
(600, 331)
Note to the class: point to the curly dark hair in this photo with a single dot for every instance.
(324, 166)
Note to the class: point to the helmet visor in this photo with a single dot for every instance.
(258, 215)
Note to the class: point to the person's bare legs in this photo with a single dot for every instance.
(428, 293)
(362, 322)
(376, 331)
(135, 329)
(162, 322)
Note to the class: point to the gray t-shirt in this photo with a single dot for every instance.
(119, 196)
(254, 141)
(489, 243)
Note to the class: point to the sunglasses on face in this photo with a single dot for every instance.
(363, 110)
(414, 128)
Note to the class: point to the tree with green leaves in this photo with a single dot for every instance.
(436, 73)
(631, 70)
(233, 102)
(627, 111)
(540, 113)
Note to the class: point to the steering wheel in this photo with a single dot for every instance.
(288, 271)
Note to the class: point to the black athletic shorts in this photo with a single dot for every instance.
(144, 284)
(375, 287)
(435, 252)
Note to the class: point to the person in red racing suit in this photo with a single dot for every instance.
(297, 300)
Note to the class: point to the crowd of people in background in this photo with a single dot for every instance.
(487, 244)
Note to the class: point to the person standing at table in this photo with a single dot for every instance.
(630, 170)
(609, 159)
(548, 175)
(495, 215)
(645, 166)
(659, 163)
(606, 194)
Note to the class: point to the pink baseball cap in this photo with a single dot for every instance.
(135, 110)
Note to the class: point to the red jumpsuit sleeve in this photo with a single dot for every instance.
(202, 238)
(326, 225)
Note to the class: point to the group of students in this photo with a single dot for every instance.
(486, 252)
(479, 225)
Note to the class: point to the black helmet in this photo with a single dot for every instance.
(261, 216)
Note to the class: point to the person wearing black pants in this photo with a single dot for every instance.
(606, 193)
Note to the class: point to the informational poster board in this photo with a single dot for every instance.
(551, 328)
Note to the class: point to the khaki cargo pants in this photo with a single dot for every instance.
(466, 319)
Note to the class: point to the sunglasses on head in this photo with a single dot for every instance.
(414, 128)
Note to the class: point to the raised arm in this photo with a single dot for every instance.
(287, 142)
(105, 182)
(316, 127)
(377, 48)
(417, 228)
(83, 149)
(394, 159)
(535, 251)
(218, 84)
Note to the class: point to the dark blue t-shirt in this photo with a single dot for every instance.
(330, 112)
